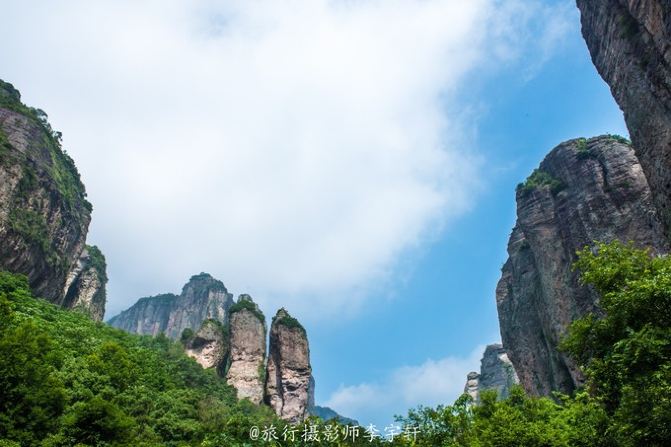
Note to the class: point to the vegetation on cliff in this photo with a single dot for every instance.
(540, 178)
(625, 353)
(66, 380)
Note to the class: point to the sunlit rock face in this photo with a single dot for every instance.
(289, 371)
(246, 372)
(472, 387)
(630, 44)
(496, 373)
(209, 345)
(44, 214)
(584, 190)
(202, 298)
(85, 286)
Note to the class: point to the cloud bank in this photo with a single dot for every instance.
(432, 383)
(294, 149)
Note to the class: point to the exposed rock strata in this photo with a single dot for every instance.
(289, 371)
(496, 373)
(209, 345)
(472, 387)
(584, 190)
(85, 285)
(246, 371)
(630, 44)
(44, 214)
(202, 298)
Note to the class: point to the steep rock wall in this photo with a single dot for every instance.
(44, 214)
(246, 372)
(584, 190)
(630, 44)
(202, 298)
(289, 371)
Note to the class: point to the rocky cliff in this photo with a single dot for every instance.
(584, 190)
(496, 373)
(630, 44)
(209, 346)
(202, 298)
(246, 371)
(289, 371)
(44, 214)
(85, 285)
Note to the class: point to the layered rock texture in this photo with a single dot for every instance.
(202, 298)
(209, 346)
(44, 214)
(630, 44)
(231, 338)
(289, 371)
(85, 285)
(584, 190)
(246, 372)
(496, 373)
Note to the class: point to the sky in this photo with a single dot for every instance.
(351, 160)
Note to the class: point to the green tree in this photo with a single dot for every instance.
(625, 351)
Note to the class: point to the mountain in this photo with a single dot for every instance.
(629, 42)
(289, 372)
(246, 368)
(584, 190)
(44, 214)
(202, 298)
(496, 373)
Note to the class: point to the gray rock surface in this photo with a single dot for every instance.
(472, 387)
(584, 190)
(44, 214)
(246, 372)
(289, 371)
(209, 346)
(202, 298)
(85, 285)
(630, 44)
(496, 373)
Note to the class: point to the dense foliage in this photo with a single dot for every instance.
(538, 179)
(625, 352)
(65, 380)
(245, 304)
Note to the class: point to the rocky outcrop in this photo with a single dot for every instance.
(496, 373)
(85, 285)
(209, 345)
(472, 387)
(202, 298)
(630, 44)
(246, 371)
(44, 214)
(584, 190)
(289, 371)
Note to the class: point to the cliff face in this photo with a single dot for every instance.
(584, 190)
(209, 345)
(85, 285)
(202, 298)
(496, 373)
(247, 350)
(44, 214)
(630, 44)
(289, 371)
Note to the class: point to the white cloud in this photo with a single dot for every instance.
(432, 383)
(294, 149)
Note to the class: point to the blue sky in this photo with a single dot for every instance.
(446, 307)
(354, 162)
